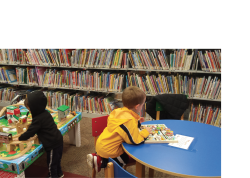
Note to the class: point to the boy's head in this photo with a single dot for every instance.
(133, 98)
(35, 102)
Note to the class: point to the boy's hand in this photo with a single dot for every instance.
(142, 119)
(149, 129)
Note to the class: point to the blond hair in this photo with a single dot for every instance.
(132, 96)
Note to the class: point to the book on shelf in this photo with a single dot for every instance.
(8, 74)
(151, 59)
(201, 87)
(210, 60)
(8, 93)
(206, 114)
(21, 73)
(66, 57)
(78, 101)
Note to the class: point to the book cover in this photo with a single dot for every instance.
(10, 73)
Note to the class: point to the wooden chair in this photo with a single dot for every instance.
(114, 170)
(159, 108)
(98, 125)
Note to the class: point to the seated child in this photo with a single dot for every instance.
(44, 126)
(122, 126)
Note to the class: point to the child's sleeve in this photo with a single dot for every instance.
(131, 134)
(32, 130)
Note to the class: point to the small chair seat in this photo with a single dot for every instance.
(113, 170)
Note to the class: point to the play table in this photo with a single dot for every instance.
(201, 159)
(15, 168)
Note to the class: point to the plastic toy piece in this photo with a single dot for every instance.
(160, 134)
(73, 113)
(63, 111)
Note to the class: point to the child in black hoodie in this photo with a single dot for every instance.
(44, 126)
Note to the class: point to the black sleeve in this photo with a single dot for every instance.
(32, 130)
(139, 124)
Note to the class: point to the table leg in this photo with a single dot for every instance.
(140, 170)
(71, 134)
(75, 136)
(151, 172)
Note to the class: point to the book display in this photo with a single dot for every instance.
(201, 87)
(84, 79)
(205, 113)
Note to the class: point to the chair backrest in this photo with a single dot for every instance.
(98, 125)
(115, 170)
(159, 108)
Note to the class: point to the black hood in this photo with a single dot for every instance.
(37, 102)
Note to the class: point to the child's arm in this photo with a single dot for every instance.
(131, 134)
(32, 130)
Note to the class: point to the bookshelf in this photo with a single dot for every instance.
(125, 69)
(195, 71)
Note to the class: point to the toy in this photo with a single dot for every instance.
(63, 111)
(23, 119)
(18, 119)
(15, 120)
(5, 137)
(160, 134)
(73, 113)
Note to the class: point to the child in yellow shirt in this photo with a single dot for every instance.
(122, 126)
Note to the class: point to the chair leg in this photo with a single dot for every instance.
(109, 170)
(93, 173)
(158, 115)
(106, 173)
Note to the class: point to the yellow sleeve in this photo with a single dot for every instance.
(130, 133)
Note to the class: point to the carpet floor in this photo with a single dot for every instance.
(74, 158)
(41, 172)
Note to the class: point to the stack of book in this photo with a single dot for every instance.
(180, 59)
(32, 76)
(92, 58)
(9, 56)
(157, 59)
(86, 80)
(148, 59)
(103, 58)
(21, 75)
(7, 94)
(7, 74)
(207, 88)
(210, 61)
(78, 101)
(205, 114)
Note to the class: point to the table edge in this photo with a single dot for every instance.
(164, 171)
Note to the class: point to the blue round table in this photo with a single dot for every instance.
(201, 159)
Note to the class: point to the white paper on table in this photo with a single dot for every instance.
(183, 141)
